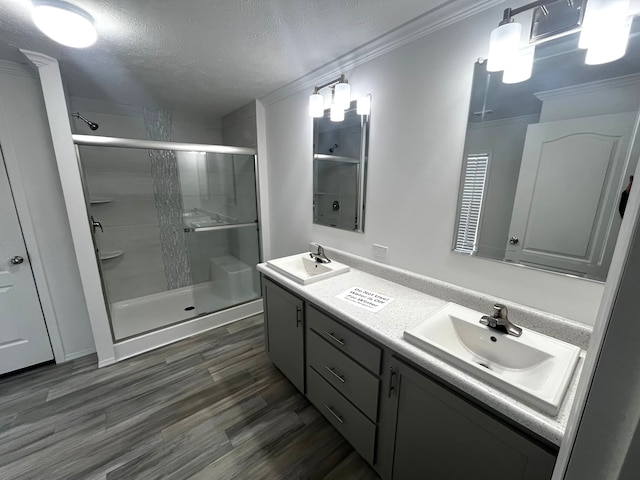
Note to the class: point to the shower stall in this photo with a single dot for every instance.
(175, 226)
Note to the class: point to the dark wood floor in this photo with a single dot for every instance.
(209, 407)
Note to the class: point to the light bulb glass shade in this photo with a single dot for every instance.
(316, 105)
(363, 107)
(600, 17)
(503, 46)
(64, 23)
(521, 66)
(342, 95)
(337, 113)
(611, 46)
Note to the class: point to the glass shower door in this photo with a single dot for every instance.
(220, 217)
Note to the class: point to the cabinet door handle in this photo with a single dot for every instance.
(334, 373)
(392, 376)
(298, 316)
(333, 412)
(333, 337)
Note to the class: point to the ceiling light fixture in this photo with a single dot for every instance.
(64, 23)
(604, 25)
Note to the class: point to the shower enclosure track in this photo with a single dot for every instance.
(97, 141)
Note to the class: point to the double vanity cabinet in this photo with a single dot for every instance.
(399, 418)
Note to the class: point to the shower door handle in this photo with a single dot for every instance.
(95, 224)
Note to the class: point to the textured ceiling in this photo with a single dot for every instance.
(201, 56)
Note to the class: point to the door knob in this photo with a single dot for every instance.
(514, 240)
(17, 260)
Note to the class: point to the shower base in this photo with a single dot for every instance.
(140, 315)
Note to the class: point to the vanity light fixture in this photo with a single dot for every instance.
(337, 113)
(363, 105)
(605, 32)
(316, 105)
(604, 25)
(520, 67)
(340, 100)
(65, 23)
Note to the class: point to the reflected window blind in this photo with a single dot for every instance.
(475, 178)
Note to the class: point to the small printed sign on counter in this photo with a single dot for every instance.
(372, 301)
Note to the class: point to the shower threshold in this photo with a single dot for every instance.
(143, 314)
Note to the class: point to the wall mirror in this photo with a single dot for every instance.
(546, 161)
(340, 170)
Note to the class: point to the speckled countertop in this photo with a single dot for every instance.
(409, 308)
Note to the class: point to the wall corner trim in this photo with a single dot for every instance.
(435, 19)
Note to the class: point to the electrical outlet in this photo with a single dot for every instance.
(380, 252)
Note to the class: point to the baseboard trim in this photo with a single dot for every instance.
(159, 338)
(106, 362)
(82, 353)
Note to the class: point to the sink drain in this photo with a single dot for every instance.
(189, 308)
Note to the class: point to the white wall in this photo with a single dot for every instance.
(239, 127)
(31, 144)
(420, 100)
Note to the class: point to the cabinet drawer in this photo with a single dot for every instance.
(346, 376)
(347, 419)
(344, 339)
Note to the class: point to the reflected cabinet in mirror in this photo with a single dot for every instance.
(340, 170)
(547, 161)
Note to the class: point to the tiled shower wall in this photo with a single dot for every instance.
(168, 200)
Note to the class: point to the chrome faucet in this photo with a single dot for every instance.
(499, 320)
(319, 256)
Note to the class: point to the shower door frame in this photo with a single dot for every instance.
(152, 339)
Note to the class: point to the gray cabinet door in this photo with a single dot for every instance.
(284, 324)
(440, 435)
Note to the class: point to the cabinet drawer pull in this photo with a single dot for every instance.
(333, 337)
(333, 412)
(298, 316)
(334, 373)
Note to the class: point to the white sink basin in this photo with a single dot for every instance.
(303, 269)
(533, 368)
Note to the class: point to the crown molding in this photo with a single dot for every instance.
(38, 59)
(501, 122)
(632, 80)
(436, 19)
(103, 107)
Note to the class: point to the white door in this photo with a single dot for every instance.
(24, 340)
(565, 208)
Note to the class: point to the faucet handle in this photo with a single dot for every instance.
(488, 321)
(500, 311)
